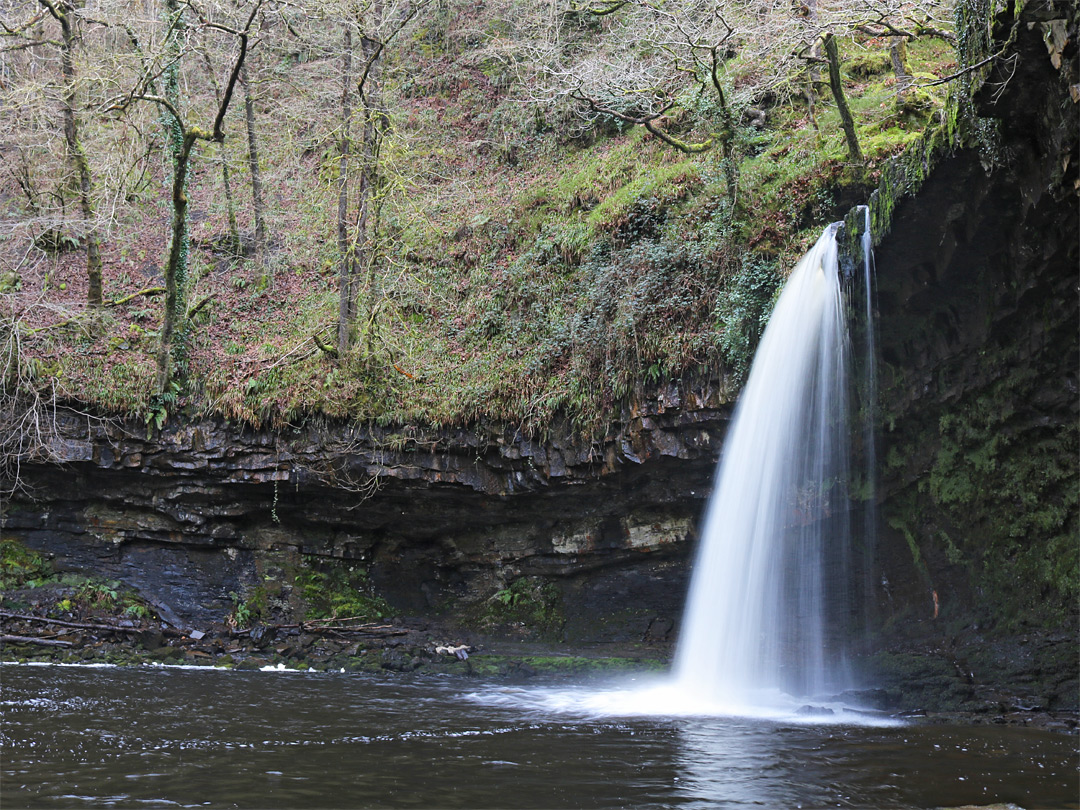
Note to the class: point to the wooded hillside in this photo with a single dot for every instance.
(427, 211)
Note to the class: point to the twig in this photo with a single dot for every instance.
(960, 73)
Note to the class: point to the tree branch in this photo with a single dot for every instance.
(18, 31)
(53, 10)
(219, 121)
(966, 70)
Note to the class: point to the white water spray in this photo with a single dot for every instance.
(770, 585)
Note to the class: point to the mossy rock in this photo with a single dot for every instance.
(868, 63)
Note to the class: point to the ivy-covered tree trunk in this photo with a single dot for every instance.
(64, 12)
(172, 354)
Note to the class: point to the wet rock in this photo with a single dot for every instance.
(814, 711)
(150, 639)
(520, 669)
(261, 635)
(660, 629)
(398, 660)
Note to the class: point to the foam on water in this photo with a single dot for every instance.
(667, 698)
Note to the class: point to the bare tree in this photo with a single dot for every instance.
(226, 175)
(654, 60)
(28, 403)
(846, 119)
(184, 136)
(64, 12)
(257, 202)
(377, 26)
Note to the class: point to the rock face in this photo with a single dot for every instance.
(441, 520)
(977, 562)
(979, 357)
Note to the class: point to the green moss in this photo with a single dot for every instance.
(1001, 493)
(335, 588)
(579, 664)
(22, 567)
(867, 63)
(528, 603)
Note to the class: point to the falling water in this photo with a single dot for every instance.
(772, 613)
(769, 602)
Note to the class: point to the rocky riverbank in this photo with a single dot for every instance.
(429, 648)
(413, 648)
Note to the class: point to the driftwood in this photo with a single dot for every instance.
(310, 626)
(113, 628)
(44, 642)
(334, 626)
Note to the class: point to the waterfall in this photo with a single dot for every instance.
(770, 606)
(772, 616)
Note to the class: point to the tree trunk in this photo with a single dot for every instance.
(256, 175)
(841, 102)
(76, 155)
(230, 204)
(345, 250)
(898, 57)
(814, 71)
(366, 215)
(226, 177)
(172, 355)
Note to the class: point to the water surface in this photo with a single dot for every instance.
(150, 737)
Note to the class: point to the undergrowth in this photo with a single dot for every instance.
(540, 274)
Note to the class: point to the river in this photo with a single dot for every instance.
(82, 736)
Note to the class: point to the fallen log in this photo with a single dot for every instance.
(44, 642)
(115, 628)
(331, 625)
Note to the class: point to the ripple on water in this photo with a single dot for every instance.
(145, 737)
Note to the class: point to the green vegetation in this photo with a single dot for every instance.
(21, 567)
(70, 594)
(529, 604)
(999, 476)
(334, 589)
(532, 261)
(243, 611)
